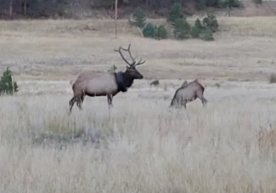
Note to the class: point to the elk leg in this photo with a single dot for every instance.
(109, 100)
(203, 101)
(172, 103)
(183, 103)
(80, 101)
(201, 97)
(71, 103)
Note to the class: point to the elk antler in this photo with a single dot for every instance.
(140, 62)
(133, 62)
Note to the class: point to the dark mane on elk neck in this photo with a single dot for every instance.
(105, 83)
(120, 80)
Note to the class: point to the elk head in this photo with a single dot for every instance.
(131, 70)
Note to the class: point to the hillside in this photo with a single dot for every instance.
(60, 49)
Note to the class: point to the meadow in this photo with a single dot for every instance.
(140, 145)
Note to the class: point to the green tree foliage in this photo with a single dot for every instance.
(257, 2)
(36, 8)
(210, 21)
(157, 32)
(161, 32)
(230, 3)
(182, 28)
(200, 4)
(196, 29)
(212, 3)
(175, 13)
(7, 85)
(203, 30)
(107, 3)
(73, 8)
(206, 34)
(149, 30)
(139, 17)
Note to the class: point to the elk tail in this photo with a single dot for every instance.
(72, 83)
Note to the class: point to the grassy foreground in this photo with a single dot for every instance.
(139, 146)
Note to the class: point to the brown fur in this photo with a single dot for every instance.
(100, 84)
(106, 83)
(188, 92)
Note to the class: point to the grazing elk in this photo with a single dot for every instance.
(188, 92)
(106, 83)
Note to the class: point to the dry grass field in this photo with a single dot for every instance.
(140, 145)
(58, 49)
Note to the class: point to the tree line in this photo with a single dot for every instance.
(70, 8)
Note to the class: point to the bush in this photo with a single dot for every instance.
(181, 29)
(196, 29)
(175, 13)
(161, 32)
(139, 17)
(231, 3)
(206, 34)
(7, 85)
(200, 4)
(152, 31)
(257, 1)
(210, 21)
(149, 30)
(212, 3)
(272, 78)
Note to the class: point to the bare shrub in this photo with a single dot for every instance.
(272, 78)
(267, 140)
(155, 83)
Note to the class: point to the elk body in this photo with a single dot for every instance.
(188, 92)
(105, 83)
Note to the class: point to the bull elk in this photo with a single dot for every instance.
(188, 92)
(106, 83)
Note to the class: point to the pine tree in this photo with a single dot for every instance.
(175, 13)
(7, 85)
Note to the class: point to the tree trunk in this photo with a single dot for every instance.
(11, 9)
(25, 7)
(229, 10)
(116, 17)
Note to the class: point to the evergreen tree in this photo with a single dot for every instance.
(7, 85)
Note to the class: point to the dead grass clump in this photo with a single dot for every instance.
(94, 137)
(267, 140)
(62, 131)
(272, 78)
(155, 83)
(217, 85)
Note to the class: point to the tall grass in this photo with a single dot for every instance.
(139, 146)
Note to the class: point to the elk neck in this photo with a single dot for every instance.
(128, 79)
(124, 80)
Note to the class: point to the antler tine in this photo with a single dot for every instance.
(130, 54)
(122, 56)
(126, 49)
(134, 63)
(140, 62)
